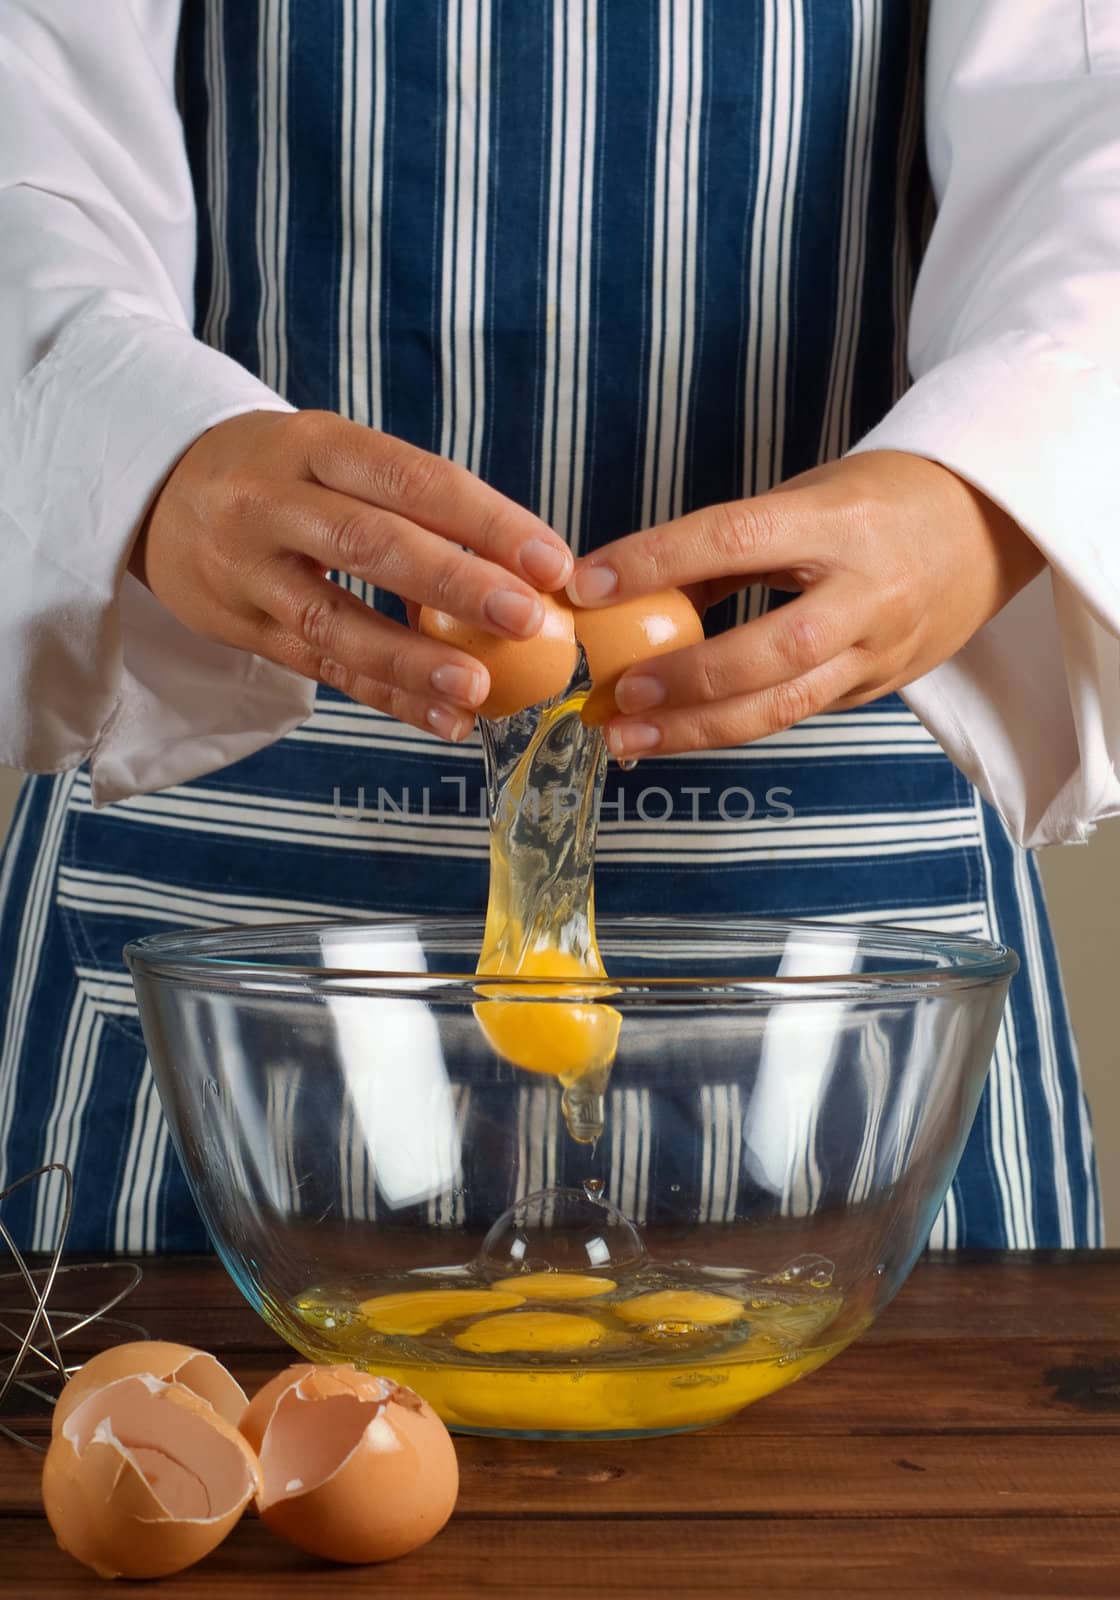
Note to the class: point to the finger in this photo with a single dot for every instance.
(423, 711)
(347, 535)
(737, 721)
(436, 494)
(785, 643)
(335, 625)
(746, 538)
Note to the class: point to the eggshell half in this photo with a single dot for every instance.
(355, 1468)
(523, 672)
(143, 1479)
(617, 637)
(195, 1370)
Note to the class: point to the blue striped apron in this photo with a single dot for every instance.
(623, 260)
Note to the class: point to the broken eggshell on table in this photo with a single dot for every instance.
(143, 1478)
(155, 1454)
(356, 1468)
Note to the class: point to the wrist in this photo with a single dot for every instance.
(138, 555)
(1016, 559)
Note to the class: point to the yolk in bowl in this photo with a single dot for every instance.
(697, 1307)
(424, 1309)
(530, 1330)
(557, 1285)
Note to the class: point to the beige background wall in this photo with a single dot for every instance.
(1081, 886)
(1081, 883)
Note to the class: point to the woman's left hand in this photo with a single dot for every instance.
(895, 561)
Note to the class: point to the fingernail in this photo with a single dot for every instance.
(632, 738)
(639, 694)
(448, 724)
(592, 584)
(545, 563)
(459, 683)
(514, 613)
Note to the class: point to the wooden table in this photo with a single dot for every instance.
(968, 1445)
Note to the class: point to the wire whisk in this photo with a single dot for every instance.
(37, 1366)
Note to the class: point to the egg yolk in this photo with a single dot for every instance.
(567, 1040)
(557, 1285)
(530, 1330)
(423, 1309)
(687, 1306)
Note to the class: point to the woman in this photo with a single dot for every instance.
(630, 267)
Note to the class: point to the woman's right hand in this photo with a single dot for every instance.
(238, 542)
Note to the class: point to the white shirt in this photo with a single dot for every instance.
(1014, 348)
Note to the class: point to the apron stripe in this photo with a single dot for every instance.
(866, 20)
(195, 808)
(904, 267)
(466, 177)
(875, 730)
(137, 1220)
(217, 196)
(876, 1074)
(1005, 1124)
(946, 1233)
(572, 161)
(769, 297)
(118, 894)
(1052, 1128)
(34, 919)
(629, 1132)
(362, 177)
(272, 207)
(676, 147)
(63, 1132)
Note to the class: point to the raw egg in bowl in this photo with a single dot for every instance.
(781, 1115)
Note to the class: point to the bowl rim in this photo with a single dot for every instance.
(193, 955)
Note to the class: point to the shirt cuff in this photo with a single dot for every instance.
(1029, 709)
(101, 671)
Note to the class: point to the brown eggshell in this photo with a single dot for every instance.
(195, 1370)
(523, 672)
(144, 1478)
(617, 637)
(355, 1467)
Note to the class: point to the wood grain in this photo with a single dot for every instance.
(968, 1445)
(1038, 1558)
(710, 1474)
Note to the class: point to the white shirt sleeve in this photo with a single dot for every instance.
(1015, 349)
(102, 388)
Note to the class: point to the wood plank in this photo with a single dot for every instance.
(1000, 1298)
(1043, 1558)
(707, 1473)
(1000, 1301)
(998, 1295)
(976, 1386)
(1009, 1294)
(701, 1474)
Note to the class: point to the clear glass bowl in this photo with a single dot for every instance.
(620, 1248)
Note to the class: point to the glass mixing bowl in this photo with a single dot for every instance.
(574, 1246)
